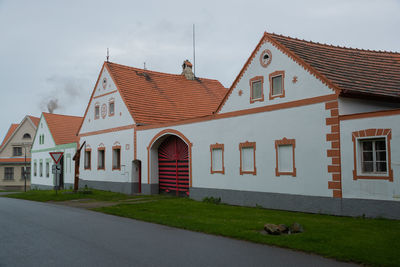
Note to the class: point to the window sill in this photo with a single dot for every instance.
(292, 173)
(248, 172)
(276, 96)
(219, 171)
(116, 169)
(256, 100)
(388, 177)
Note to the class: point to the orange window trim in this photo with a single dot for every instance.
(245, 145)
(217, 146)
(97, 105)
(285, 141)
(104, 161)
(90, 160)
(180, 135)
(276, 74)
(256, 79)
(371, 133)
(113, 148)
(109, 109)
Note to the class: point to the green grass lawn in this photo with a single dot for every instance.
(63, 195)
(369, 241)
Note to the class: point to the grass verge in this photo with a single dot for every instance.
(64, 195)
(368, 241)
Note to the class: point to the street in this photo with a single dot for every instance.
(42, 234)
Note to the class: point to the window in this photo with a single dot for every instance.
(248, 158)
(41, 139)
(35, 169)
(26, 136)
(8, 173)
(111, 108)
(28, 173)
(256, 89)
(101, 158)
(116, 165)
(372, 158)
(217, 158)
(47, 169)
(17, 151)
(88, 156)
(285, 163)
(276, 83)
(96, 111)
(41, 169)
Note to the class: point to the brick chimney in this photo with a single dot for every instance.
(187, 70)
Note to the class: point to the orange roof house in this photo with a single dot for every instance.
(15, 152)
(55, 133)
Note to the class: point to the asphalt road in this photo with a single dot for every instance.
(41, 234)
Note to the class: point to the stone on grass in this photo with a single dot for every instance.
(283, 228)
(272, 229)
(296, 228)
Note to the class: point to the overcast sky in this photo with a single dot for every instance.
(55, 49)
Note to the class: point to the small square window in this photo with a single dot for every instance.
(41, 169)
(101, 159)
(116, 158)
(47, 169)
(17, 151)
(111, 108)
(372, 154)
(88, 155)
(217, 158)
(277, 88)
(285, 157)
(248, 158)
(8, 173)
(96, 111)
(277, 85)
(256, 89)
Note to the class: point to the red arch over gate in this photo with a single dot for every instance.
(170, 132)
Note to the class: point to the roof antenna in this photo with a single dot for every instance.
(194, 53)
(144, 65)
(108, 54)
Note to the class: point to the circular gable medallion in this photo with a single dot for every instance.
(265, 58)
(104, 83)
(103, 110)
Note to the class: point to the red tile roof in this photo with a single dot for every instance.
(352, 71)
(35, 120)
(63, 128)
(10, 131)
(155, 97)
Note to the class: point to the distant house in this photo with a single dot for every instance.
(304, 126)
(15, 154)
(55, 133)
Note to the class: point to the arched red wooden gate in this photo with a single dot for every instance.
(173, 166)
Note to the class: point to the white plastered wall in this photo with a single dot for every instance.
(370, 189)
(305, 124)
(108, 140)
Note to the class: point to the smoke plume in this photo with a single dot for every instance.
(52, 105)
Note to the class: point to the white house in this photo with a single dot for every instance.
(304, 126)
(55, 133)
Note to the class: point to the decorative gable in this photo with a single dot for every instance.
(282, 80)
(106, 108)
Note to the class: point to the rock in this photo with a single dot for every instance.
(283, 228)
(296, 228)
(272, 229)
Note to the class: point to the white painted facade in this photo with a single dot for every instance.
(301, 116)
(91, 131)
(369, 188)
(40, 177)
